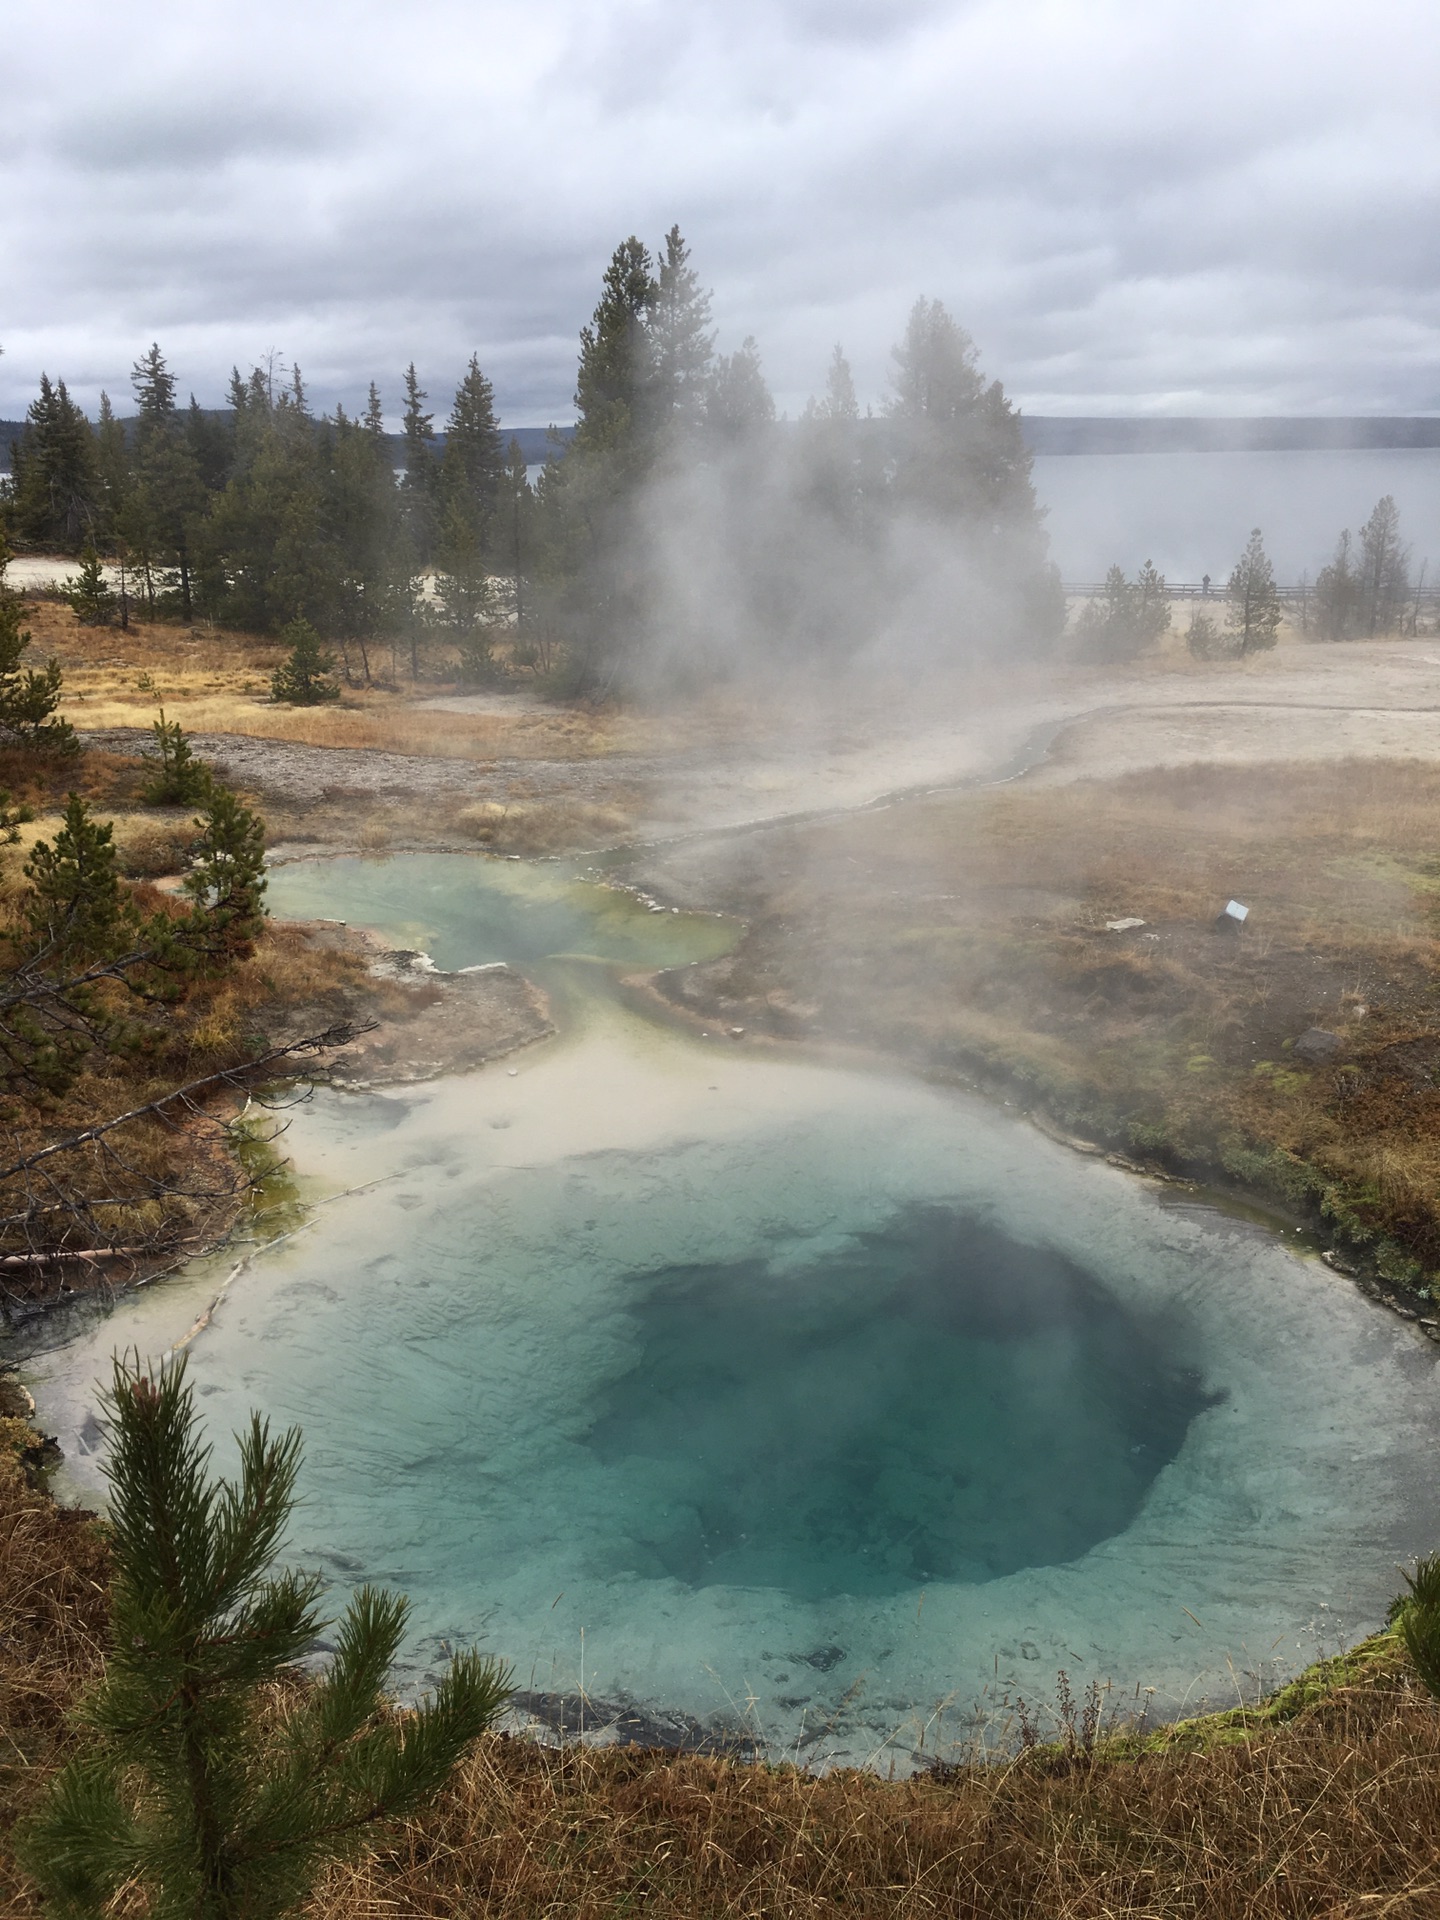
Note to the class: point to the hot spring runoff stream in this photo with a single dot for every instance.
(750, 1389)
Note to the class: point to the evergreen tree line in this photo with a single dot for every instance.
(270, 513)
(1366, 590)
(685, 532)
(1367, 587)
(1128, 617)
(683, 527)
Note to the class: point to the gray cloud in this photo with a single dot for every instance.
(1135, 205)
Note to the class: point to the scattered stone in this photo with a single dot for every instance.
(628, 1723)
(821, 1658)
(1122, 926)
(1127, 1165)
(1338, 1264)
(1316, 1043)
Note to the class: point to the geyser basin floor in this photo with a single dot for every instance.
(462, 1340)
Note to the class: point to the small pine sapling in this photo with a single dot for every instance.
(303, 680)
(29, 695)
(227, 873)
(194, 1787)
(1416, 1618)
(77, 910)
(179, 780)
(1204, 638)
(89, 593)
(12, 818)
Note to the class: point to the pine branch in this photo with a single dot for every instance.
(340, 1035)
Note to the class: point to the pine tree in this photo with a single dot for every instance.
(956, 445)
(1204, 638)
(614, 365)
(28, 696)
(269, 538)
(474, 458)
(1384, 569)
(468, 494)
(112, 461)
(56, 488)
(738, 404)
(76, 911)
(1253, 614)
(303, 680)
(367, 571)
(957, 459)
(226, 880)
(680, 347)
(1104, 625)
(179, 779)
(1338, 594)
(88, 591)
(514, 537)
(154, 387)
(168, 495)
(462, 581)
(1152, 607)
(840, 402)
(192, 1788)
(419, 485)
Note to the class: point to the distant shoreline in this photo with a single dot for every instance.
(1053, 433)
(1057, 433)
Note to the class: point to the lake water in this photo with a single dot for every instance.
(1192, 512)
(814, 1401)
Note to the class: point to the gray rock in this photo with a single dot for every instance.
(1316, 1044)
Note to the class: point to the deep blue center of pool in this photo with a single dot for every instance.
(938, 1402)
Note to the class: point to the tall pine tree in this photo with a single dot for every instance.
(681, 348)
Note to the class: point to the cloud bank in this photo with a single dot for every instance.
(1135, 205)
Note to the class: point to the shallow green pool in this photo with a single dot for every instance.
(467, 910)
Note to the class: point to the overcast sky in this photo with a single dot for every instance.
(1135, 205)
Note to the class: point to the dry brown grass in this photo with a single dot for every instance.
(52, 1628)
(216, 681)
(1334, 1811)
(166, 1186)
(551, 826)
(969, 932)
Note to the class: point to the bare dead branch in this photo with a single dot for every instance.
(340, 1035)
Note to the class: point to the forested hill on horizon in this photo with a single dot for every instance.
(1086, 433)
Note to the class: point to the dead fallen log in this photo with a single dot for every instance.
(11, 1261)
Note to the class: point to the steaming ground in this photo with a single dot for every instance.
(1276, 1526)
(812, 748)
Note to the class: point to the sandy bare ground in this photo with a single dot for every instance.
(854, 745)
(291, 771)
